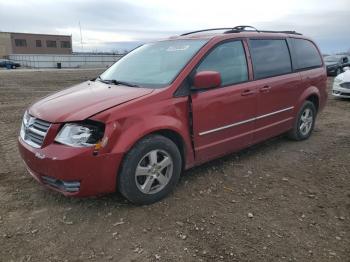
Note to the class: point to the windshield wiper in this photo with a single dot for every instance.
(116, 82)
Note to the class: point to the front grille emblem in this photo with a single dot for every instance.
(34, 130)
(29, 122)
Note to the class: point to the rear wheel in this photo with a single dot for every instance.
(150, 170)
(13, 67)
(304, 123)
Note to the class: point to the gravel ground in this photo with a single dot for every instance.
(276, 201)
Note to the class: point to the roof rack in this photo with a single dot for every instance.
(282, 32)
(239, 29)
(242, 28)
(205, 30)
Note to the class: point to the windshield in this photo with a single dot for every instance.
(153, 65)
(331, 59)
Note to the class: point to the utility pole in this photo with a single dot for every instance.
(81, 38)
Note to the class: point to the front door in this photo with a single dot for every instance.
(223, 117)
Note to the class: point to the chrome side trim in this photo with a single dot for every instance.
(276, 112)
(225, 127)
(245, 121)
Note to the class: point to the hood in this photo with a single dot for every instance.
(84, 100)
(344, 77)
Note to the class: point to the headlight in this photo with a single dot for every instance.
(337, 80)
(24, 122)
(80, 135)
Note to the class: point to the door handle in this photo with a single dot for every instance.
(265, 89)
(247, 92)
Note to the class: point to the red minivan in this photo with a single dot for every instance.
(170, 105)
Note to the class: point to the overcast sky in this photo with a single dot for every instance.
(107, 23)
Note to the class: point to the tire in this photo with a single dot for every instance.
(150, 170)
(13, 67)
(300, 131)
(339, 71)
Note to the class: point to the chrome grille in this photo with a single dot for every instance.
(34, 130)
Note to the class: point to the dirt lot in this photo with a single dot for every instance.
(277, 201)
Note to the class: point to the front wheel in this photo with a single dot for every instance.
(150, 170)
(338, 72)
(304, 123)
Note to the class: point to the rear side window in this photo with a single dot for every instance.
(229, 60)
(270, 57)
(306, 54)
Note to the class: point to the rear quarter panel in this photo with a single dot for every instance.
(315, 83)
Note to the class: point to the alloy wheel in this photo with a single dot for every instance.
(154, 171)
(306, 121)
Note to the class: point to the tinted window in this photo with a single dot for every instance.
(229, 60)
(270, 58)
(306, 54)
(38, 43)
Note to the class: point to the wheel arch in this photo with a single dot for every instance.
(177, 139)
(172, 135)
(315, 100)
(311, 94)
(178, 132)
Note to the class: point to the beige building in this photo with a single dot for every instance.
(23, 43)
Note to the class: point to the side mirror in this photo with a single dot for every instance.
(346, 68)
(207, 79)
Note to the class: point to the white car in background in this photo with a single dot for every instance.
(341, 84)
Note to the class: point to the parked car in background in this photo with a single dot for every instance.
(170, 105)
(341, 84)
(9, 64)
(336, 63)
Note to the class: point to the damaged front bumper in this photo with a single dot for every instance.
(71, 171)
